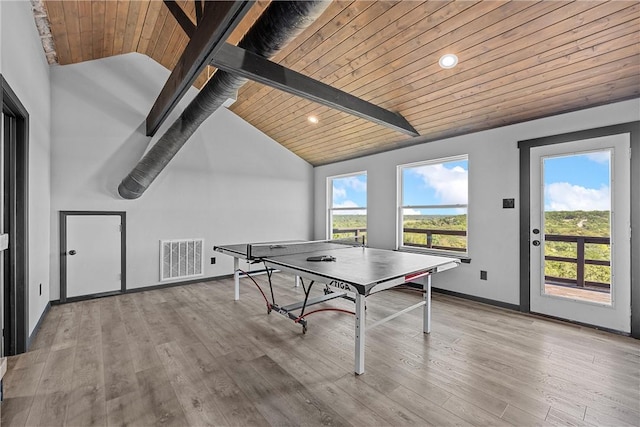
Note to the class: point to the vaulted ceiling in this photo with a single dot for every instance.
(518, 61)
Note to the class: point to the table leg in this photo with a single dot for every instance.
(426, 321)
(360, 333)
(236, 278)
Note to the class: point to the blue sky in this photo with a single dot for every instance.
(573, 182)
(438, 184)
(577, 182)
(350, 191)
(423, 185)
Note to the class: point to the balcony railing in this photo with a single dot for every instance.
(350, 231)
(428, 232)
(579, 260)
(429, 238)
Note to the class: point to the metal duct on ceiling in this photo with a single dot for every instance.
(280, 23)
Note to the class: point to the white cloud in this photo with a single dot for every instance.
(355, 183)
(339, 193)
(342, 185)
(562, 196)
(410, 211)
(348, 204)
(599, 156)
(450, 185)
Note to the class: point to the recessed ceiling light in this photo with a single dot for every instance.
(312, 119)
(448, 61)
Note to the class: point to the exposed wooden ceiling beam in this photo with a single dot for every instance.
(254, 67)
(183, 20)
(219, 20)
(199, 11)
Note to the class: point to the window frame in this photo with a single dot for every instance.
(329, 201)
(400, 207)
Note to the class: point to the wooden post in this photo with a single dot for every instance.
(580, 263)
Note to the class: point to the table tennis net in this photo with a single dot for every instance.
(272, 250)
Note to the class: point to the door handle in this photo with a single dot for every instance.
(536, 243)
(72, 252)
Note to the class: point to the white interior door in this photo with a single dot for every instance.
(581, 231)
(93, 254)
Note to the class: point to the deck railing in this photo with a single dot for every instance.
(428, 232)
(429, 238)
(579, 260)
(350, 231)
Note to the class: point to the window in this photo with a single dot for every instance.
(433, 205)
(347, 201)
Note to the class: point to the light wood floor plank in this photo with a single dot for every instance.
(302, 404)
(191, 355)
(50, 401)
(238, 409)
(515, 416)
(258, 390)
(159, 399)
(87, 402)
(141, 346)
(472, 413)
(23, 383)
(128, 410)
(198, 403)
(561, 419)
(392, 412)
(119, 374)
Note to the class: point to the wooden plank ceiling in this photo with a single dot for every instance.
(518, 61)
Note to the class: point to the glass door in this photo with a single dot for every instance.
(580, 231)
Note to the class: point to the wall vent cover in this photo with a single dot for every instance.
(181, 258)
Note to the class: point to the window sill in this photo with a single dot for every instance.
(464, 258)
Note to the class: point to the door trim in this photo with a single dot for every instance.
(633, 129)
(63, 253)
(18, 217)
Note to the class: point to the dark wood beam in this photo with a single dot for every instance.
(185, 22)
(199, 11)
(219, 20)
(254, 67)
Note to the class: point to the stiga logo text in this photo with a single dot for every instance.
(341, 285)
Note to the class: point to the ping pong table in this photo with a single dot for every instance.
(348, 269)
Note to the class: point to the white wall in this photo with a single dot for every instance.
(25, 68)
(229, 183)
(493, 232)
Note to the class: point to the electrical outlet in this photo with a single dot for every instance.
(508, 203)
(213, 260)
(483, 275)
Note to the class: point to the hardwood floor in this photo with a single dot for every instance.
(190, 355)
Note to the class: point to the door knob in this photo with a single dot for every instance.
(536, 243)
(72, 252)
(536, 231)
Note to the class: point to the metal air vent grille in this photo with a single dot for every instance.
(181, 258)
